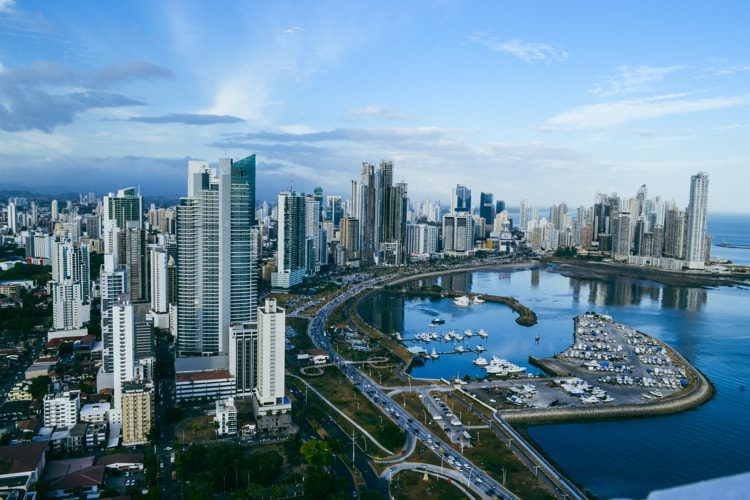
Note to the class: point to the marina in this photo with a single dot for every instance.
(705, 325)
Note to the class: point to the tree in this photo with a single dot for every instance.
(319, 483)
(316, 452)
(39, 387)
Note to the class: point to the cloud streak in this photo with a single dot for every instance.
(187, 119)
(632, 79)
(374, 111)
(609, 114)
(528, 52)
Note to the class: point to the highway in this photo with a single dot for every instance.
(470, 473)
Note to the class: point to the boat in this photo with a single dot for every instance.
(458, 337)
(447, 338)
(398, 336)
(460, 348)
(437, 321)
(498, 366)
(482, 333)
(434, 354)
(480, 361)
(468, 333)
(538, 338)
(480, 348)
(462, 301)
(656, 394)
(478, 300)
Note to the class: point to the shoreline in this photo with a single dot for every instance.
(592, 270)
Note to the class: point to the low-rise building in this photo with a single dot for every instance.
(226, 417)
(61, 410)
(210, 385)
(21, 465)
(94, 412)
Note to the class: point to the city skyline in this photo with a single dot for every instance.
(525, 108)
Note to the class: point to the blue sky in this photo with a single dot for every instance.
(552, 101)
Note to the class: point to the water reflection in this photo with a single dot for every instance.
(625, 292)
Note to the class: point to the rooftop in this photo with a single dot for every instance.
(203, 376)
(23, 457)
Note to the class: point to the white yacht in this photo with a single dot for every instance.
(478, 300)
(468, 333)
(434, 354)
(458, 337)
(460, 348)
(480, 348)
(480, 361)
(447, 338)
(482, 333)
(503, 367)
(462, 301)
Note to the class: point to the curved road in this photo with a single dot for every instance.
(316, 331)
(461, 482)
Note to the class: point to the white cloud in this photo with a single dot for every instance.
(723, 71)
(374, 111)
(614, 113)
(632, 79)
(6, 5)
(529, 52)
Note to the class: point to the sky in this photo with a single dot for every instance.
(550, 101)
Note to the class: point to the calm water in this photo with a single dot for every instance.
(625, 458)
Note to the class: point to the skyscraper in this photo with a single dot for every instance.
(216, 255)
(461, 199)
(487, 210)
(674, 233)
(523, 216)
(290, 258)
(695, 234)
(120, 208)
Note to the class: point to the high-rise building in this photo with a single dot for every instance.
(499, 206)
(132, 345)
(216, 255)
(523, 215)
(132, 251)
(622, 235)
(422, 239)
(695, 233)
(54, 215)
(238, 281)
(71, 284)
(290, 258)
(312, 234)
(674, 233)
(12, 216)
(120, 208)
(461, 199)
(350, 238)
(243, 357)
(269, 391)
(113, 280)
(334, 210)
(159, 278)
(487, 211)
(458, 233)
(137, 413)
